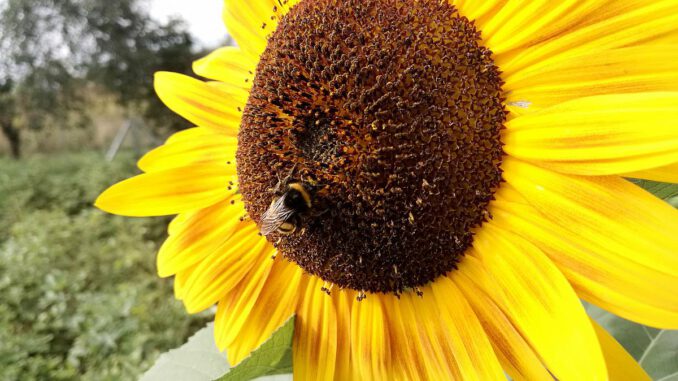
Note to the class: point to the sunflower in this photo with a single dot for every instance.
(430, 187)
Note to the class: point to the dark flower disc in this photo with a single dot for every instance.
(388, 113)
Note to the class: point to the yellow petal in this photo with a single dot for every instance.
(180, 282)
(315, 335)
(200, 234)
(167, 192)
(618, 166)
(345, 369)
(667, 174)
(514, 353)
(603, 276)
(431, 340)
(478, 10)
(244, 26)
(670, 38)
(234, 309)
(413, 357)
(276, 303)
(627, 26)
(204, 104)
(189, 134)
(208, 148)
(531, 291)
(469, 343)
(521, 23)
(620, 365)
(250, 22)
(218, 273)
(609, 210)
(438, 335)
(625, 70)
(229, 65)
(370, 345)
(600, 135)
(516, 109)
(177, 222)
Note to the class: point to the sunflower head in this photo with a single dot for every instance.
(378, 127)
(390, 112)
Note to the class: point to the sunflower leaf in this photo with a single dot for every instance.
(665, 191)
(273, 357)
(655, 350)
(200, 360)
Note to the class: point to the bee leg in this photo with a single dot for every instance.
(321, 212)
(277, 186)
(289, 175)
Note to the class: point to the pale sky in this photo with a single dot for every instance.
(203, 17)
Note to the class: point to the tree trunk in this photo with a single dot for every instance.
(13, 137)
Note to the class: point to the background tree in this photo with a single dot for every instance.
(53, 49)
(7, 117)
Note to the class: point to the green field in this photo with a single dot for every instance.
(79, 296)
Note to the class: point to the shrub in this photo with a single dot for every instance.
(79, 297)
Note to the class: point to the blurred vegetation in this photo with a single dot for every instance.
(57, 54)
(79, 295)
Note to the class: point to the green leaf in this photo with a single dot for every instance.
(271, 358)
(197, 360)
(200, 360)
(665, 191)
(655, 350)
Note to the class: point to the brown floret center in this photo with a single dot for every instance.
(388, 113)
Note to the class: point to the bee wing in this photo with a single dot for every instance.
(275, 215)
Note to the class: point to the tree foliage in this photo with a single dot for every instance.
(54, 49)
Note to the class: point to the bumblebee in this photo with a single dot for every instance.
(283, 214)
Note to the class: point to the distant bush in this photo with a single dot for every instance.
(79, 297)
(68, 182)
